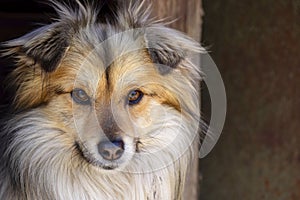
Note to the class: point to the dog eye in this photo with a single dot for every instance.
(80, 97)
(134, 97)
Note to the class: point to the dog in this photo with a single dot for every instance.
(105, 106)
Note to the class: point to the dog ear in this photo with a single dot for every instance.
(168, 47)
(45, 46)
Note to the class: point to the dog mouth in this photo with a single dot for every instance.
(138, 144)
(103, 159)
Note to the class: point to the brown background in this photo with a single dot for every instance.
(256, 45)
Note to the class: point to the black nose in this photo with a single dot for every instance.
(111, 150)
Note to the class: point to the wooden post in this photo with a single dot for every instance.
(188, 15)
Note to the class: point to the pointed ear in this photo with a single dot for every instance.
(169, 47)
(45, 46)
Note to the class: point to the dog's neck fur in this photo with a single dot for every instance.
(41, 161)
(53, 171)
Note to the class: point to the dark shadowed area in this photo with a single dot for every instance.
(256, 46)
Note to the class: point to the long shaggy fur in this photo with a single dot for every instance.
(48, 144)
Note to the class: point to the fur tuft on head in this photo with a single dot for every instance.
(47, 45)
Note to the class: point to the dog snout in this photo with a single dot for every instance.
(111, 150)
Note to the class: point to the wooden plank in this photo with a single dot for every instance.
(188, 15)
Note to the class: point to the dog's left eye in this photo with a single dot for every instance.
(134, 97)
(80, 97)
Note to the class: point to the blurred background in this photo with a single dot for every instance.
(256, 46)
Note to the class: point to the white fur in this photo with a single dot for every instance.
(47, 166)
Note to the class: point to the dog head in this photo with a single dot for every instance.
(118, 87)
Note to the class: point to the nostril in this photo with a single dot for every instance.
(111, 150)
(105, 153)
(119, 152)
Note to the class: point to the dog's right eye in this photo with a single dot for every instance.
(80, 97)
(134, 97)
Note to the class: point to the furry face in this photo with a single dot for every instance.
(106, 107)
